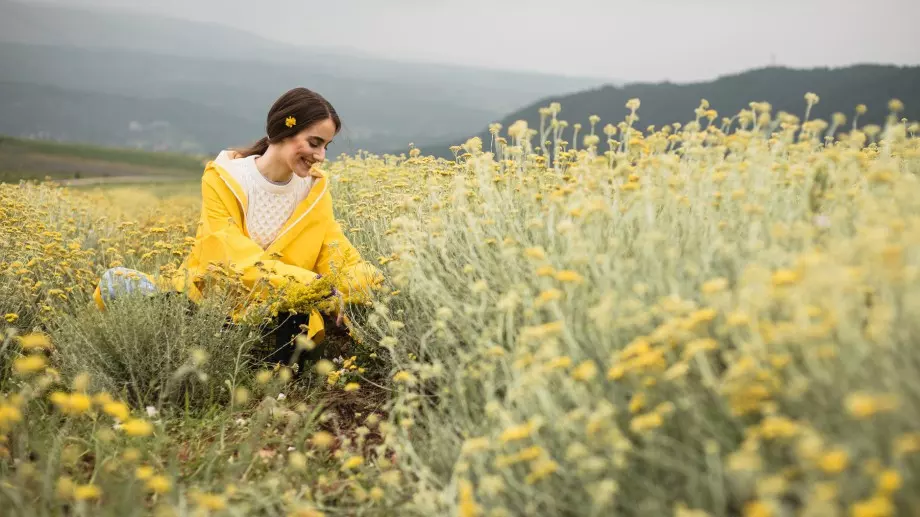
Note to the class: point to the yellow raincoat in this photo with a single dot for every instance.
(311, 242)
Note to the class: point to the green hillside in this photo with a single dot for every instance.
(34, 159)
(840, 90)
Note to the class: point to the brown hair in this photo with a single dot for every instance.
(306, 106)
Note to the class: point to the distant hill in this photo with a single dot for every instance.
(65, 162)
(840, 89)
(191, 66)
(48, 112)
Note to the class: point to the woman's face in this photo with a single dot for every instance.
(301, 151)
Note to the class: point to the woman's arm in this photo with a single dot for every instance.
(357, 276)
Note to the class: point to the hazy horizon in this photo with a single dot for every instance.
(591, 37)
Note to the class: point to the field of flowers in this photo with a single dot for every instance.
(717, 317)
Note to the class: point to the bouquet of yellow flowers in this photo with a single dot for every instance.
(295, 298)
(320, 295)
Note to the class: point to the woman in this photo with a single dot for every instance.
(267, 214)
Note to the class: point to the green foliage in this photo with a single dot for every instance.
(163, 160)
(156, 350)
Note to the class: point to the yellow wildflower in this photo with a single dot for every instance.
(34, 340)
(473, 445)
(637, 403)
(757, 509)
(117, 410)
(737, 319)
(264, 376)
(878, 506)
(907, 444)
(699, 345)
(535, 253)
(585, 371)
(518, 432)
(29, 364)
(353, 463)
(545, 271)
(834, 462)
(778, 427)
(889, 482)
(158, 484)
(323, 367)
(64, 488)
(131, 455)
(540, 470)
(677, 371)
(785, 277)
(467, 506)
(404, 377)
(826, 491)
(547, 296)
(297, 461)
(86, 492)
(207, 501)
(322, 439)
(863, 405)
(704, 315)
(714, 286)
(569, 276)
(71, 403)
(559, 362)
(137, 427)
(241, 396)
(143, 472)
(9, 415)
(648, 421)
(352, 386)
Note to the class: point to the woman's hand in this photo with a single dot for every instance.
(341, 303)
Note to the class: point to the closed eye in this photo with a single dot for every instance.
(318, 142)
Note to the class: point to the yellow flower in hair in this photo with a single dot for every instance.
(290, 122)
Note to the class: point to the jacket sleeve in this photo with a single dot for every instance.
(224, 243)
(357, 276)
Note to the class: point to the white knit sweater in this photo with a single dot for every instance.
(270, 204)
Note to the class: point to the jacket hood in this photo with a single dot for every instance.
(225, 160)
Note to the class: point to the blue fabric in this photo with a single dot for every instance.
(118, 281)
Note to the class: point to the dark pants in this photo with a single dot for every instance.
(278, 343)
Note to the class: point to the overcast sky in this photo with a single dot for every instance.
(637, 40)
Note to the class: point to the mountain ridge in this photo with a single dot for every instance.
(840, 89)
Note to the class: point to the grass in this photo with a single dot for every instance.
(155, 188)
(165, 160)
